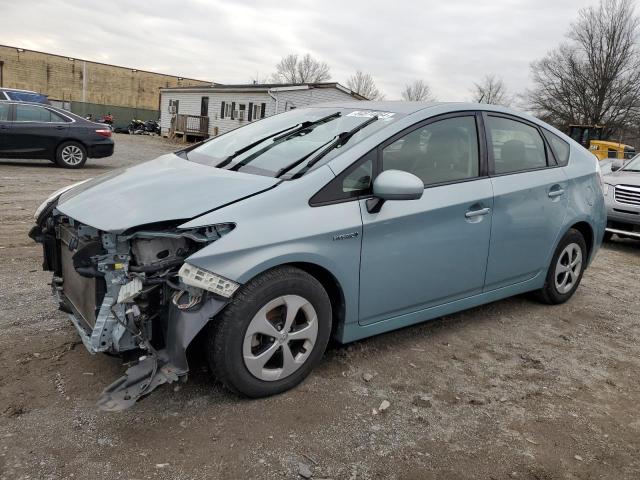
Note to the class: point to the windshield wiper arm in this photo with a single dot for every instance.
(228, 159)
(338, 141)
(293, 165)
(284, 137)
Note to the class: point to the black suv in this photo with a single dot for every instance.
(34, 130)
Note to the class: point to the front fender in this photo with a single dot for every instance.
(273, 230)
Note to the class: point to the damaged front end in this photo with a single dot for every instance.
(133, 291)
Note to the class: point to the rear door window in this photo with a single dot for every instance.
(516, 146)
(4, 111)
(31, 113)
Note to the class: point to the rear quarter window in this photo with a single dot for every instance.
(560, 148)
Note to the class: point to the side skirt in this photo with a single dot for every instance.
(353, 331)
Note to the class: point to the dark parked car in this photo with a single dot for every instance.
(23, 96)
(34, 130)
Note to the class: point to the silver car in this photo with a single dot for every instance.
(341, 220)
(622, 197)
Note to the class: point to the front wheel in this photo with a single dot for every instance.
(272, 334)
(71, 155)
(566, 269)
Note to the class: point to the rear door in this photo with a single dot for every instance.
(530, 200)
(5, 126)
(36, 131)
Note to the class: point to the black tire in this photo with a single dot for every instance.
(549, 293)
(607, 237)
(71, 155)
(227, 331)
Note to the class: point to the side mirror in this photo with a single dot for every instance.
(615, 166)
(394, 185)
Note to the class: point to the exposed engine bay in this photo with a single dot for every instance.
(127, 291)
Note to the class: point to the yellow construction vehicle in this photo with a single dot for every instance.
(590, 136)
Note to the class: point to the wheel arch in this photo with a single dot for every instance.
(587, 232)
(70, 139)
(327, 279)
(331, 285)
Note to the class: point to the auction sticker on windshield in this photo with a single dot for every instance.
(371, 113)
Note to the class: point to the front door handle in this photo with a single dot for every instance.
(477, 213)
(556, 193)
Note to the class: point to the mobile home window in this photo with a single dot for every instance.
(227, 112)
(256, 112)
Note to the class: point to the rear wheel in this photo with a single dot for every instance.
(71, 155)
(566, 269)
(272, 334)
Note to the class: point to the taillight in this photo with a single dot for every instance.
(104, 132)
(599, 173)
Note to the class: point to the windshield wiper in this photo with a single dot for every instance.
(293, 165)
(278, 137)
(337, 142)
(228, 159)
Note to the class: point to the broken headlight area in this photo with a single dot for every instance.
(124, 292)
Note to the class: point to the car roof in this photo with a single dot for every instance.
(383, 106)
(3, 89)
(62, 111)
(408, 107)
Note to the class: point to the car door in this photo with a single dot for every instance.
(36, 131)
(5, 127)
(421, 253)
(530, 201)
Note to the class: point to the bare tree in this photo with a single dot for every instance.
(417, 91)
(593, 78)
(363, 84)
(306, 69)
(491, 90)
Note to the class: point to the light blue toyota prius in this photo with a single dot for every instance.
(340, 220)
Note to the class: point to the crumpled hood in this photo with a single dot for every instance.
(167, 188)
(622, 177)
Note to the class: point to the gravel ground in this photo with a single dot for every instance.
(513, 389)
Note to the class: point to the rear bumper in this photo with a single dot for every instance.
(100, 150)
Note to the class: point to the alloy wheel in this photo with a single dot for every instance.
(280, 338)
(568, 268)
(71, 155)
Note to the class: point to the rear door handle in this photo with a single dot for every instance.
(477, 213)
(556, 193)
(60, 127)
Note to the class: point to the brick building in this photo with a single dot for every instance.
(83, 86)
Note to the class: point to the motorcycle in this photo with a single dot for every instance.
(152, 127)
(107, 120)
(138, 127)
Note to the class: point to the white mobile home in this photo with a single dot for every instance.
(203, 112)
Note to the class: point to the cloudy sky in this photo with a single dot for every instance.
(448, 43)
